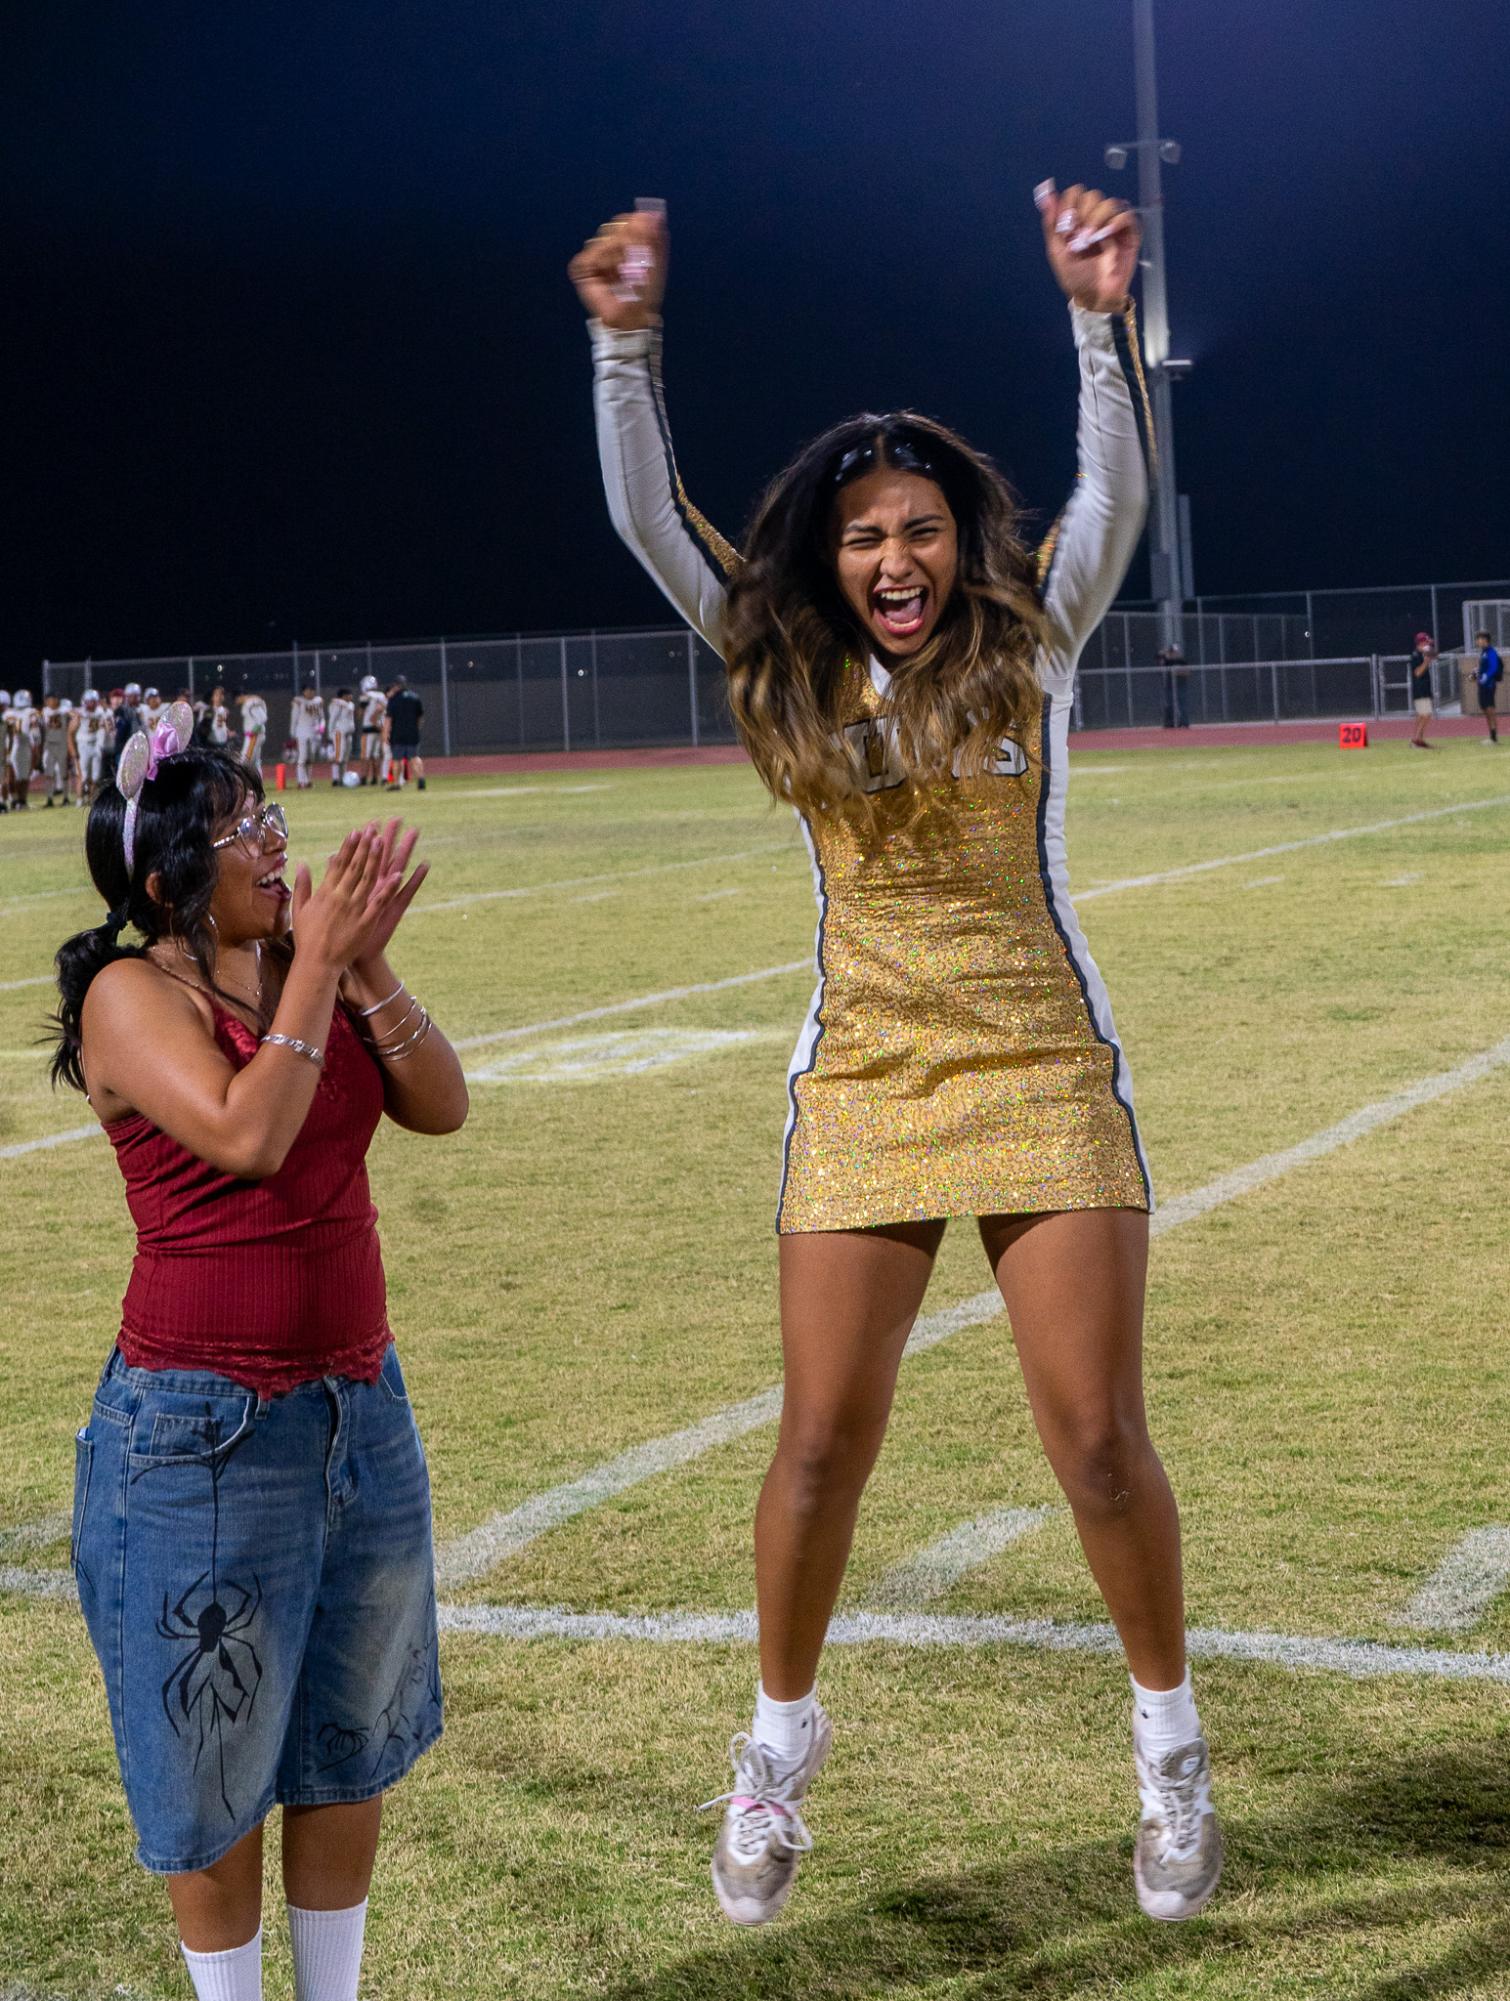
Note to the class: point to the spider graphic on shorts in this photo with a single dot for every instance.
(216, 1682)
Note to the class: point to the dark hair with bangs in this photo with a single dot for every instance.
(177, 814)
(790, 632)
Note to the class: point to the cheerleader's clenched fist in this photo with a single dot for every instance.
(1092, 240)
(620, 274)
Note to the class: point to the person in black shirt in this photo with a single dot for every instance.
(1490, 673)
(1176, 686)
(402, 725)
(1420, 687)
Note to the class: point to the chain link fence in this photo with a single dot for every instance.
(1250, 661)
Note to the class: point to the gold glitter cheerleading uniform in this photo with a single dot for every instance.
(959, 1056)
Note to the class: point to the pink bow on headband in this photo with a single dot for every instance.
(139, 762)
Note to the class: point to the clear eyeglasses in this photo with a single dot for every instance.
(251, 834)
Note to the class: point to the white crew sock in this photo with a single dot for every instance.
(227, 1976)
(784, 1727)
(327, 1952)
(1164, 1718)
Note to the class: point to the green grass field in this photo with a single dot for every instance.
(590, 1265)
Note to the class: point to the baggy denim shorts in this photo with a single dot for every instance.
(258, 1580)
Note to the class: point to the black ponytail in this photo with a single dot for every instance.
(177, 814)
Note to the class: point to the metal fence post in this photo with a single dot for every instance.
(519, 677)
(1436, 635)
(597, 720)
(445, 703)
(1274, 678)
(692, 680)
(565, 701)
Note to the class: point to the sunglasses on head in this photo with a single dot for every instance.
(897, 450)
(251, 833)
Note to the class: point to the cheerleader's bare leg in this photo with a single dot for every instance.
(848, 1301)
(1073, 1282)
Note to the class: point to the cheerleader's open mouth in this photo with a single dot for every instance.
(900, 610)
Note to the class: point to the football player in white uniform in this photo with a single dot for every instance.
(307, 726)
(253, 730)
(91, 726)
(343, 718)
(21, 751)
(374, 709)
(218, 720)
(57, 718)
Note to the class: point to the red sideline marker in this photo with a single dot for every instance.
(1353, 736)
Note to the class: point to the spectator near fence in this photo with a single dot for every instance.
(1176, 687)
(1490, 673)
(1420, 687)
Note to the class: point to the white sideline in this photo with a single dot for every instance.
(937, 1568)
(472, 1555)
(1362, 1660)
(36, 980)
(1474, 1572)
(1284, 848)
(590, 881)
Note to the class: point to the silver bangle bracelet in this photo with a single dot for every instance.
(308, 1050)
(410, 1047)
(397, 1025)
(365, 1013)
(403, 1043)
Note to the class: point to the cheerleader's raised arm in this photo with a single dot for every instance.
(684, 553)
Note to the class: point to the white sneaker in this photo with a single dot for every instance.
(763, 1832)
(1177, 1860)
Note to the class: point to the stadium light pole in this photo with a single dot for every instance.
(1168, 579)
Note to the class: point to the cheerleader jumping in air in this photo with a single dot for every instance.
(251, 1522)
(901, 672)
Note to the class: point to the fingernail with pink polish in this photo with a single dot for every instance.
(1080, 242)
(1100, 235)
(1043, 194)
(1066, 222)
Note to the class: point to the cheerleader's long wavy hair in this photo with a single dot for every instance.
(789, 630)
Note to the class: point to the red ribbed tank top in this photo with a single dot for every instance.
(271, 1282)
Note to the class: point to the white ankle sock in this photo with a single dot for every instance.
(784, 1727)
(1164, 1717)
(327, 1952)
(227, 1976)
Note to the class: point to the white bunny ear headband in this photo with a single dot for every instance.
(139, 762)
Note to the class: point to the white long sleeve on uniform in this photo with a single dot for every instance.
(647, 502)
(1092, 543)
(1094, 539)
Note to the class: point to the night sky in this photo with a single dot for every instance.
(292, 354)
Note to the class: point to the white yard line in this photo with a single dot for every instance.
(19, 1147)
(1284, 848)
(590, 881)
(37, 1583)
(472, 1555)
(36, 980)
(936, 1569)
(1474, 1572)
(1362, 1660)
(1367, 1119)
(35, 1535)
(662, 999)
